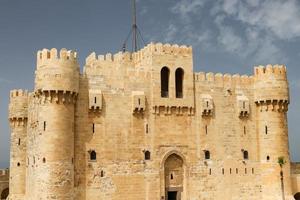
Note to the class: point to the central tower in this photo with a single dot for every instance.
(56, 90)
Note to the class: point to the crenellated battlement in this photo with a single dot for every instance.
(223, 79)
(139, 56)
(279, 70)
(47, 56)
(18, 93)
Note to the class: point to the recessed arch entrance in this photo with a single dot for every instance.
(4, 194)
(173, 176)
(297, 196)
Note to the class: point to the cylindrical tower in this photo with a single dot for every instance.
(272, 98)
(56, 88)
(18, 123)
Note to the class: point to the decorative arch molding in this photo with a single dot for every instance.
(169, 153)
(4, 193)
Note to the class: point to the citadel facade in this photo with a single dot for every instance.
(144, 125)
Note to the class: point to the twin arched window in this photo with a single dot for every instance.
(164, 81)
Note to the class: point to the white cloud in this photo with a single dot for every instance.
(187, 7)
(231, 41)
(278, 17)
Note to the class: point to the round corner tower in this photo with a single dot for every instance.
(271, 93)
(56, 88)
(18, 112)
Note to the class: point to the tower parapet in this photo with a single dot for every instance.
(57, 72)
(271, 85)
(18, 111)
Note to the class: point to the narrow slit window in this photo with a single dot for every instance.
(139, 100)
(93, 155)
(209, 171)
(45, 125)
(252, 170)
(147, 155)
(206, 130)
(223, 171)
(207, 155)
(268, 158)
(19, 141)
(266, 130)
(93, 128)
(245, 170)
(44, 160)
(246, 155)
(147, 128)
(244, 104)
(102, 173)
(245, 131)
(236, 170)
(172, 176)
(230, 171)
(95, 100)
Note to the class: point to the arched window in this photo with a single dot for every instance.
(164, 82)
(246, 155)
(147, 155)
(297, 196)
(179, 82)
(207, 155)
(93, 155)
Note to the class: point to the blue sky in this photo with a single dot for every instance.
(227, 36)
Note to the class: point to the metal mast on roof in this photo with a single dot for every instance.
(135, 31)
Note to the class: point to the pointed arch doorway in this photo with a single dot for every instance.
(174, 177)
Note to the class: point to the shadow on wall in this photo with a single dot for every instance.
(4, 194)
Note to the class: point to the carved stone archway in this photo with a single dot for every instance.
(297, 196)
(173, 176)
(4, 194)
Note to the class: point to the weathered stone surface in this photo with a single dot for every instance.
(120, 131)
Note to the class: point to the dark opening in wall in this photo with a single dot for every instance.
(102, 173)
(179, 82)
(207, 155)
(245, 130)
(246, 155)
(209, 171)
(206, 131)
(147, 155)
(266, 130)
(147, 128)
(93, 128)
(223, 171)
(230, 171)
(245, 170)
(236, 170)
(164, 82)
(45, 125)
(93, 155)
(44, 160)
(268, 158)
(171, 176)
(18, 164)
(252, 170)
(95, 100)
(19, 142)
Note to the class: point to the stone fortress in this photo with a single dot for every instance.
(145, 126)
(4, 183)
